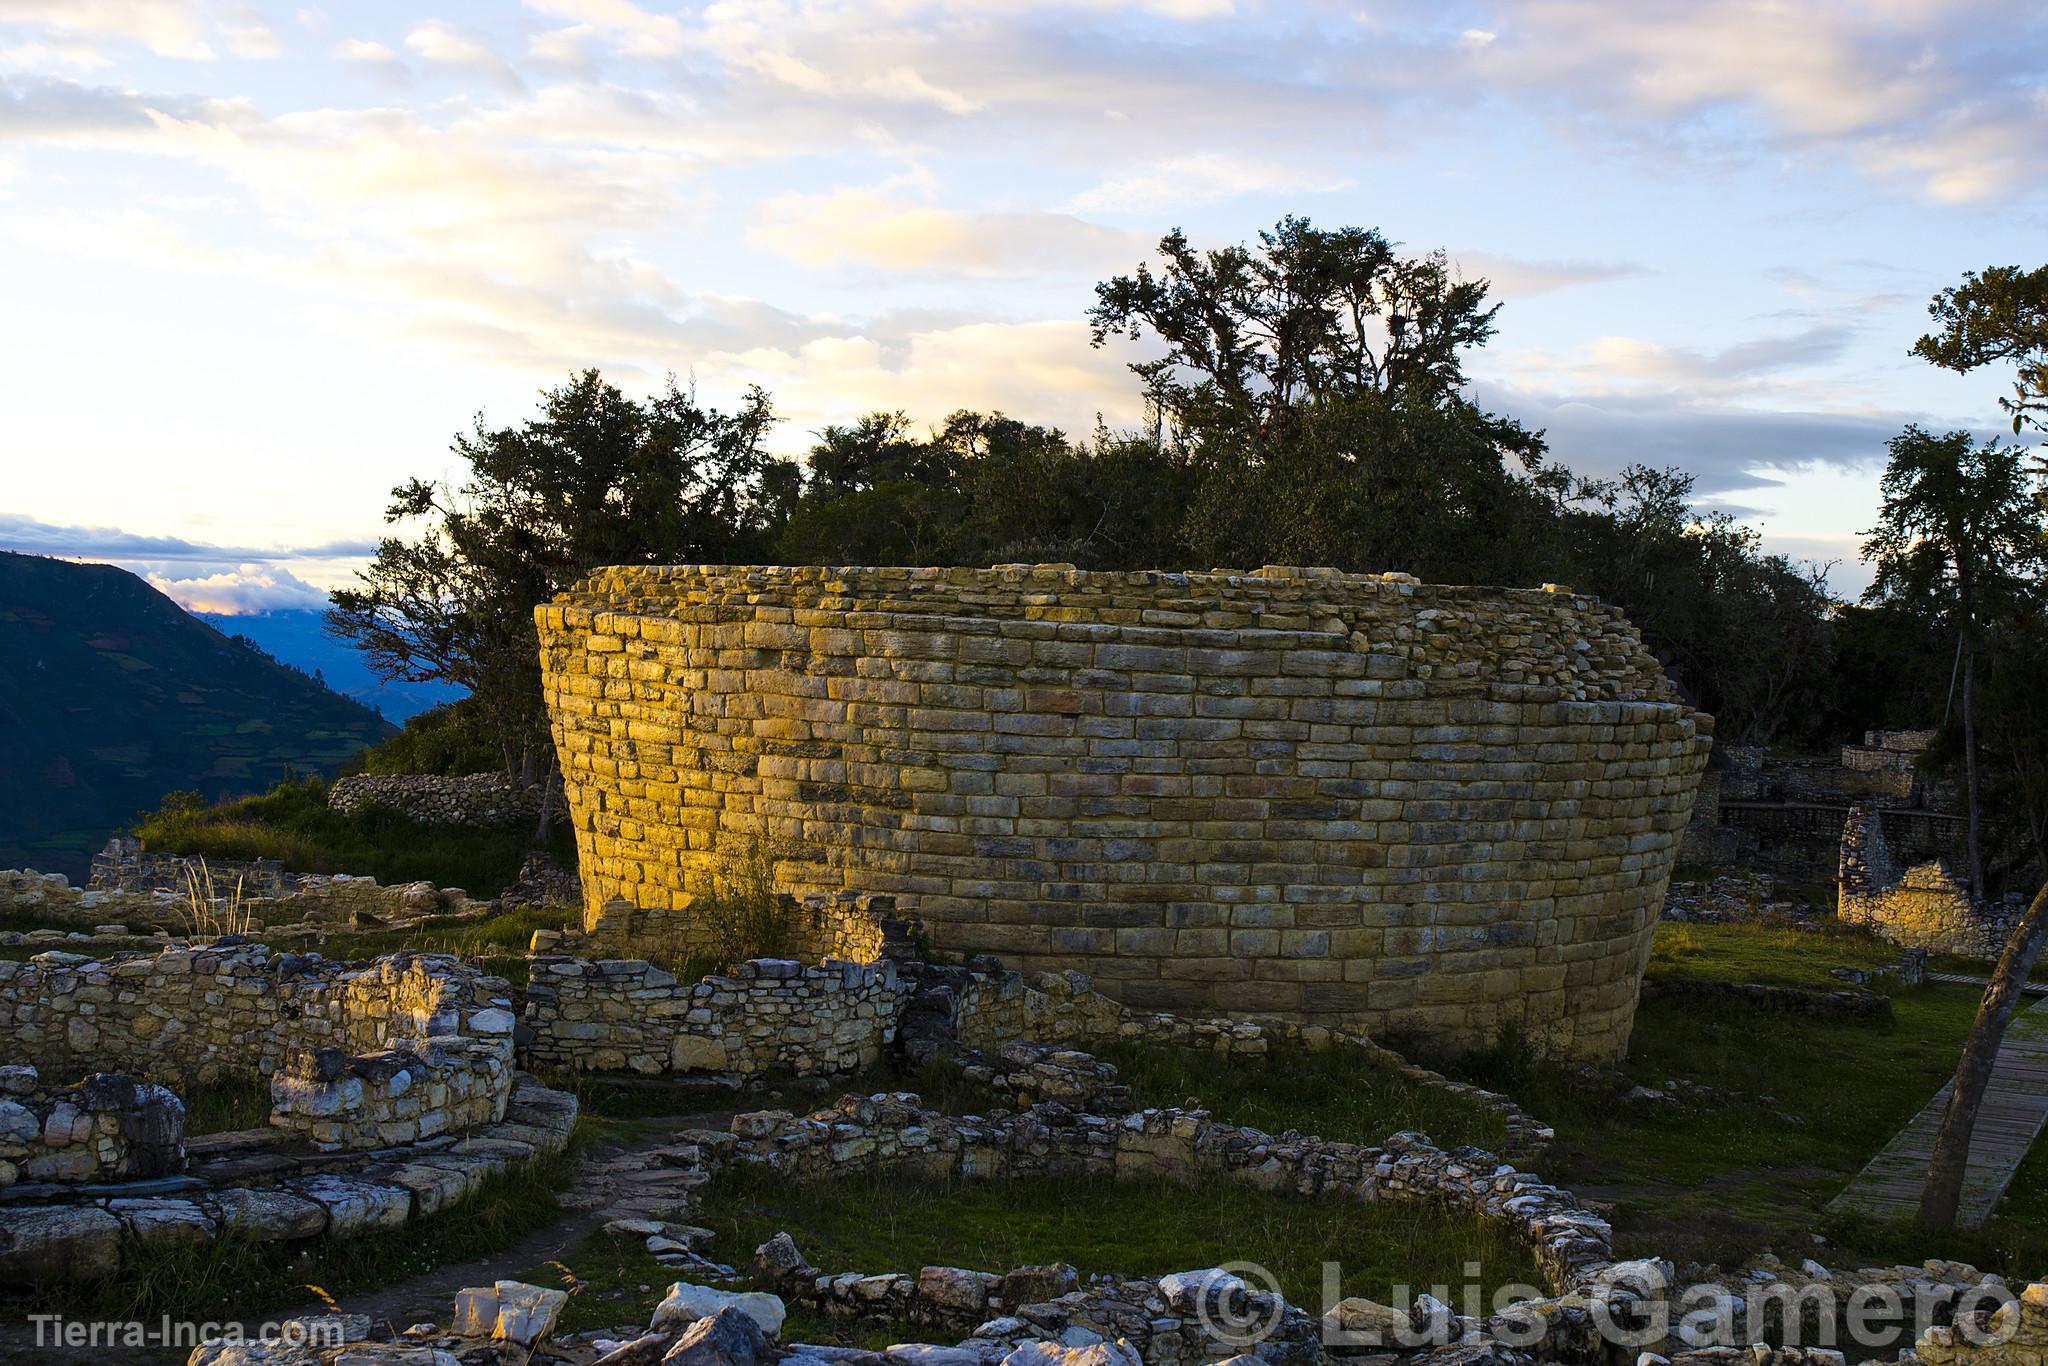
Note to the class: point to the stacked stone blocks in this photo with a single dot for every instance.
(1353, 800)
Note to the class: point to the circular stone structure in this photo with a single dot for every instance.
(1342, 799)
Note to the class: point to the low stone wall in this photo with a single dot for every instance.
(1570, 1244)
(768, 1015)
(124, 866)
(1923, 907)
(381, 1100)
(1819, 1005)
(106, 1128)
(1065, 1008)
(88, 1234)
(314, 901)
(483, 800)
(198, 1012)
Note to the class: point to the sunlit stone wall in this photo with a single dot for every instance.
(1351, 800)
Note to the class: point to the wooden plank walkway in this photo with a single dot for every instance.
(2014, 1112)
(1958, 980)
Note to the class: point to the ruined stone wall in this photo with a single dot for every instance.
(105, 1128)
(1923, 906)
(485, 800)
(190, 1013)
(1346, 799)
(124, 866)
(397, 1096)
(768, 1015)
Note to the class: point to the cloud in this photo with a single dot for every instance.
(1942, 95)
(246, 590)
(633, 31)
(185, 29)
(869, 226)
(373, 57)
(443, 44)
(33, 536)
(1179, 182)
(1633, 365)
(1513, 278)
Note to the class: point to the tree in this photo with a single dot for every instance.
(597, 478)
(1255, 335)
(2000, 315)
(1959, 537)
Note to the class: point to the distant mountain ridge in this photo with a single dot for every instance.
(299, 638)
(112, 695)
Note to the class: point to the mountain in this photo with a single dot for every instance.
(300, 639)
(112, 695)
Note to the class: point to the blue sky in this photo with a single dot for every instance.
(259, 262)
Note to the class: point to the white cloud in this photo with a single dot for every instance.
(187, 29)
(243, 591)
(1515, 278)
(874, 227)
(444, 44)
(634, 31)
(1184, 181)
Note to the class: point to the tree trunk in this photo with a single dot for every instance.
(547, 805)
(1977, 887)
(1944, 1189)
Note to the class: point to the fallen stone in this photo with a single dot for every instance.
(508, 1311)
(645, 1350)
(729, 1337)
(686, 1303)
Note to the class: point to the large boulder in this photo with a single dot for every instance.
(728, 1338)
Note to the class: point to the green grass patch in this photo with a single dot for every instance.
(896, 1221)
(1332, 1093)
(1807, 1103)
(223, 1103)
(292, 824)
(1779, 955)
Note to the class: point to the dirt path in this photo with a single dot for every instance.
(614, 1179)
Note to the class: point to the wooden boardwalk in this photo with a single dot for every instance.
(2015, 1110)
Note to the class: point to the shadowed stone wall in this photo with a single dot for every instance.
(1353, 800)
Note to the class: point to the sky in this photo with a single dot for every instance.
(258, 263)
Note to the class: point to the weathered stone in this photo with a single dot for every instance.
(686, 1303)
(728, 1337)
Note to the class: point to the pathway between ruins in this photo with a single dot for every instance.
(2015, 1110)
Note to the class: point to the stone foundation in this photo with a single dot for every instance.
(1350, 800)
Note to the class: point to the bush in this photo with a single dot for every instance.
(448, 740)
(293, 824)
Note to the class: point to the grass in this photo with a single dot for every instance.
(1329, 1092)
(938, 1083)
(223, 1103)
(233, 1276)
(884, 1221)
(292, 824)
(1805, 1104)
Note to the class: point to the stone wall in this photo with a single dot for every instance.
(484, 800)
(400, 1095)
(313, 900)
(106, 1128)
(768, 1015)
(194, 1013)
(1921, 907)
(124, 866)
(1350, 800)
